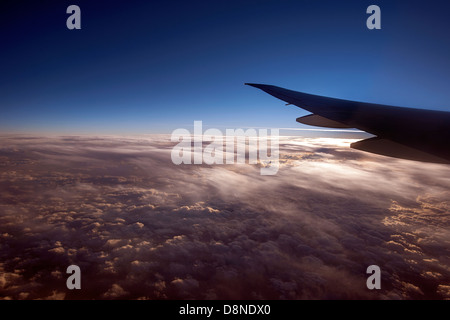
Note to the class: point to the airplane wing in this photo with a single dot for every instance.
(406, 133)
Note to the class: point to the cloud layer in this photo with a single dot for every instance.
(140, 227)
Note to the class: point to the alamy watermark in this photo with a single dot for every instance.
(236, 146)
(374, 280)
(74, 20)
(74, 281)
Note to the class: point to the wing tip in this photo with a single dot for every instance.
(256, 85)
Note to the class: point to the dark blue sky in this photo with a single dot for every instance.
(153, 66)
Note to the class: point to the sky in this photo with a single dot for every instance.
(154, 66)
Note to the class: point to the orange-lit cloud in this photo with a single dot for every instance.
(141, 227)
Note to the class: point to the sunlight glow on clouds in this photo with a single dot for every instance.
(141, 227)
